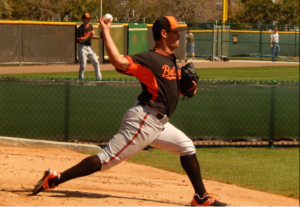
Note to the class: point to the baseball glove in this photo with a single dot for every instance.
(188, 75)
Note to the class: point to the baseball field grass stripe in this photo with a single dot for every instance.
(269, 170)
(279, 73)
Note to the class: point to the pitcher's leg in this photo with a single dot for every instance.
(174, 140)
(86, 167)
(191, 166)
(138, 129)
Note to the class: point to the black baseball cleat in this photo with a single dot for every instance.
(209, 199)
(46, 182)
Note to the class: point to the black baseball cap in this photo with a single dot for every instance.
(168, 23)
(86, 16)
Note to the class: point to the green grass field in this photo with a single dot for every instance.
(278, 73)
(269, 170)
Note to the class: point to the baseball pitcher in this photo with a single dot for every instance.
(147, 121)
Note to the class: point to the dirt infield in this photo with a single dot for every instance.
(124, 185)
(75, 67)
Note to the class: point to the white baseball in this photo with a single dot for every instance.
(108, 17)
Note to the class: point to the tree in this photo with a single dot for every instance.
(240, 11)
(44, 10)
(288, 12)
(190, 11)
(5, 9)
(207, 11)
(149, 10)
(72, 10)
(92, 6)
(266, 12)
(254, 11)
(19, 11)
(133, 10)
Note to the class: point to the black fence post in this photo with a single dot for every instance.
(295, 44)
(67, 111)
(22, 55)
(260, 42)
(272, 117)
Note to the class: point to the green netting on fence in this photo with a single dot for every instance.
(245, 41)
(91, 111)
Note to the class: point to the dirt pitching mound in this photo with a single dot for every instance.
(124, 185)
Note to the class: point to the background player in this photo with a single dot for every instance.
(275, 48)
(147, 121)
(190, 45)
(85, 34)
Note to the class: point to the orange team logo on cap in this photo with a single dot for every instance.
(173, 22)
(87, 15)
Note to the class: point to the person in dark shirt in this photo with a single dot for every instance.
(147, 121)
(85, 34)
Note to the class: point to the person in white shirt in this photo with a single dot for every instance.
(275, 48)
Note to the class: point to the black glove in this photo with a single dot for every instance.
(188, 75)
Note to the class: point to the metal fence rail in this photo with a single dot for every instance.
(221, 114)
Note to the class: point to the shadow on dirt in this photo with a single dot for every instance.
(80, 194)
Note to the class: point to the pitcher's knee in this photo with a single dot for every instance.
(108, 161)
(188, 148)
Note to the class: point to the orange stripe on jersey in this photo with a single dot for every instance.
(162, 53)
(145, 75)
(133, 138)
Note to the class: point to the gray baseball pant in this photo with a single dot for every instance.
(85, 52)
(140, 127)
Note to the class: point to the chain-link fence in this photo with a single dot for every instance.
(244, 41)
(221, 114)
